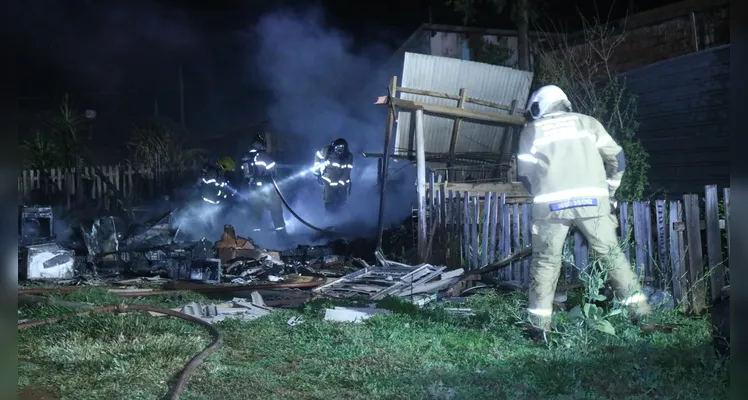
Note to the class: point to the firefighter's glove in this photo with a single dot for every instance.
(319, 180)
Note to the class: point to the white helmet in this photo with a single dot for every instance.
(544, 98)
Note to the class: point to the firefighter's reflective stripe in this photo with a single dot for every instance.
(570, 194)
(327, 179)
(564, 135)
(613, 183)
(271, 165)
(603, 141)
(349, 166)
(634, 299)
(527, 158)
(540, 312)
(280, 228)
(211, 201)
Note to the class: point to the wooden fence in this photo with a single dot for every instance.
(134, 182)
(675, 245)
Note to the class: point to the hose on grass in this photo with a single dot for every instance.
(189, 369)
(187, 288)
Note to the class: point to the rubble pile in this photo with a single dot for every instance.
(142, 260)
(108, 250)
(391, 278)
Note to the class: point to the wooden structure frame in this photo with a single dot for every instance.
(458, 113)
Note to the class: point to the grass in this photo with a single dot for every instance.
(410, 354)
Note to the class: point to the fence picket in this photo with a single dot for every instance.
(713, 241)
(486, 228)
(727, 218)
(640, 238)
(581, 254)
(474, 232)
(662, 274)
(526, 235)
(516, 271)
(677, 254)
(623, 218)
(649, 263)
(506, 237)
(697, 285)
(466, 228)
(494, 222)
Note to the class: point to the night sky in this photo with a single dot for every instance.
(120, 57)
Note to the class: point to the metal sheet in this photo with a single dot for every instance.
(447, 75)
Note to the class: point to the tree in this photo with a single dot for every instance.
(521, 15)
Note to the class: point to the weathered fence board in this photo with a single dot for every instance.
(713, 241)
(482, 228)
(662, 244)
(623, 216)
(486, 228)
(697, 285)
(133, 182)
(678, 254)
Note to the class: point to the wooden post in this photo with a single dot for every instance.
(421, 168)
(714, 241)
(385, 162)
(695, 255)
(677, 255)
(456, 129)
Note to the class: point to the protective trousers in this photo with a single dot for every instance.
(267, 199)
(334, 197)
(548, 237)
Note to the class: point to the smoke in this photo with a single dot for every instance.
(321, 90)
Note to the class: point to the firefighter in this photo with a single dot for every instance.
(572, 167)
(332, 167)
(216, 182)
(258, 171)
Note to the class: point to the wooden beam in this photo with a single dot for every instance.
(454, 112)
(510, 132)
(421, 164)
(470, 100)
(456, 129)
(512, 190)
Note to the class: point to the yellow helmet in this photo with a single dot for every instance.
(227, 163)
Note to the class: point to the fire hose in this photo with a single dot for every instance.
(288, 207)
(191, 366)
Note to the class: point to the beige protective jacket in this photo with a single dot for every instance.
(571, 164)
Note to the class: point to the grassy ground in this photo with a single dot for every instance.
(410, 354)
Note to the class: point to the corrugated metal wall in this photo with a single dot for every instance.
(492, 83)
(682, 111)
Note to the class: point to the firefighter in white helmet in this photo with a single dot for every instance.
(572, 167)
